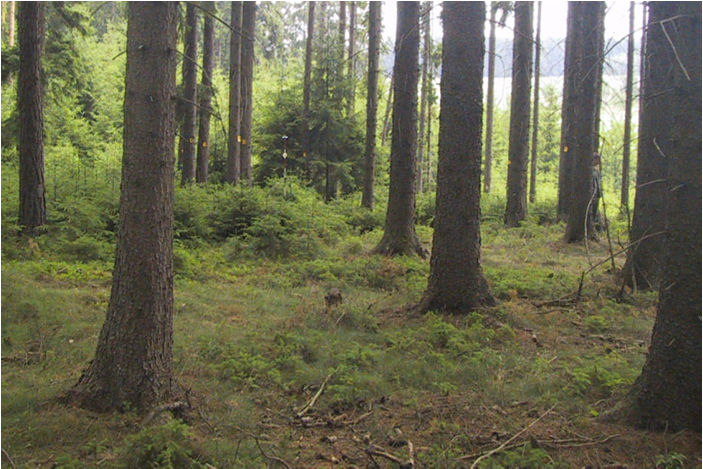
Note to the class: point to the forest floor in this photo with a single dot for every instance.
(275, 379)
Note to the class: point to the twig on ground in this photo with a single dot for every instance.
(377, 451)
(171, 406)
(269, 457)
(314, 399)
(570, 444)
(9, 459)
(411, 454)
(507, 442)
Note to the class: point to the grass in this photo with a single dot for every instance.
(254, 342)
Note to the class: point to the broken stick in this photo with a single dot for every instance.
(314, 399)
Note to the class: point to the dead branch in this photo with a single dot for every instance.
(9, 459)
(560, 444)
(314, 399)
(374, 450)
(271, 458)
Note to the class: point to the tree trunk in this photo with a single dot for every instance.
(399, 232)
(625, 180)
(248, 31)
(233, 171)
(535, 108)
(30, 95)
(488, 158)
(586, 57)
(306, 89)
(667, 395)
(371, 104)
(645, 261)
(11, 39)
(568, 110)
(427, 6)
(386, 118)
(456, 283)
(205, 97)
(352, 58)
(133, 367)
(599, 76)
(428, 119)
(518, 145)
(186, 149)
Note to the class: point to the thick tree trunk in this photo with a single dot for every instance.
(586, 57)
(133, 361)
(535, 108)
(456, 283)
(32, 213)
(427, 7)
(248, 31)
(352, 58)
(233, 171)
(625, 178)
(518, 145)
(645, 261)
(201, 173)
(186, 149)
(667, 396)
(488, 157)
(306, 89)
(568, 111)
(371, 104)
(399, 232)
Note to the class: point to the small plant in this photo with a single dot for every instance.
(164, 446)
(670, 461)
(596, 323)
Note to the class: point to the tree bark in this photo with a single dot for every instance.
(456, 283)
(399, 235)
(568, 110)
(535, 108)
(351, 74)
(599, 76)
(386, 119)
(30, 95)
(233, 171)
(427, 6)
(133, 367)
(586, 58)
(306, 89)
(367, 197)
(186, 149)
(667, 395)
(201, 173)
(248, 31)
(626, 139)
(11, 39)
(518, 145)
(488, 157)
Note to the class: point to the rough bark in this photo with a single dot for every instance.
(425, 24)
(568, 110)
(456, 283)
(201, 172)
(132, 367)
(535, 108)
(371, 104)
(32, 210)
(352, 58)
(488, 157)
(399, 235)
(519, 138)
(599, 75)
(248, 31)
(586, 57)
(186, 149)
(667, 395)
(306, 88)
(386, 118)
(625, 177)
(428, 119)
(645, 261)
(233, 170)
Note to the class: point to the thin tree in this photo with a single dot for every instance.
(626, 138)
(399, 235)
(386, 118)
(233, 170)
(430, 97)
(11, 38)
(600, 34)
(186, 148)
(203, 159)
(518, 145)
(488, 157)
(247, 65)
(586, 58)
(352, 58)
(32, 212)
(568, 110)
(535, 108)
(367, 197)
(133, 361)
(667, 395)
(306, 87)
(425, 25)
(456, 283)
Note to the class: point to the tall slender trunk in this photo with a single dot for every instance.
(568, 110)
(306, 89)
(399, 235)
(599, 76)
(30, 96)
(488, 157)
(371, 104)
(133, 364)
(535, 109)
(386, 118)
(186, 149)
(518, 145)
(423, 94)
(11, 39)
(248, 31)
(352, 59)
(233, 171)
(201, 173)
(625, 183)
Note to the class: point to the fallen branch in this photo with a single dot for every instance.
(571, 444)
(314, 399)
(507, 442)
(269, 457)
(9, 459)
(374, 450)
